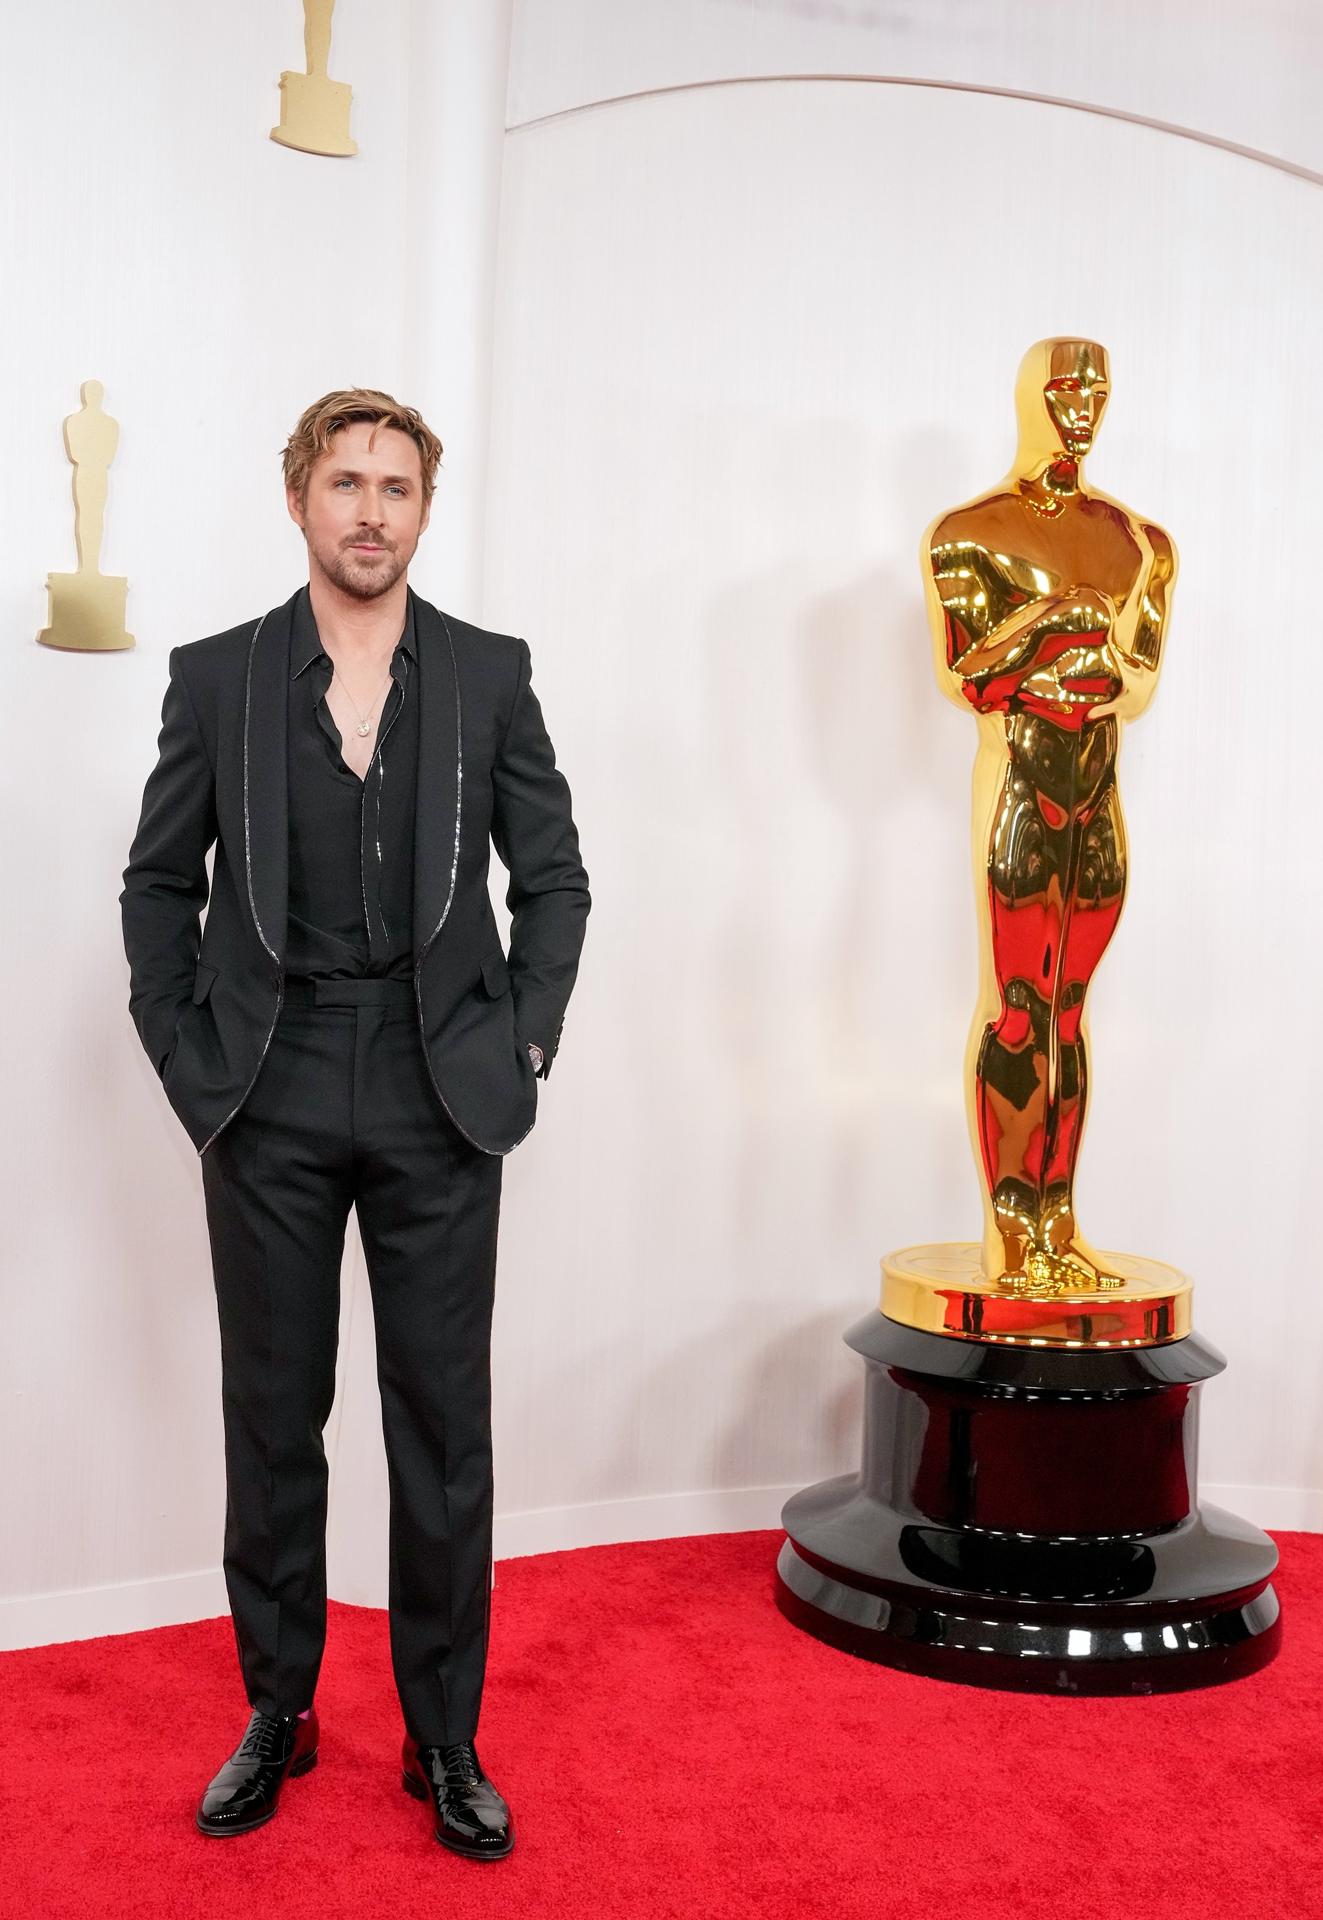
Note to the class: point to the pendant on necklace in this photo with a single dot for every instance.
(364, 725)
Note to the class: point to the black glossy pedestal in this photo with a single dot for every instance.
(1028, 1518)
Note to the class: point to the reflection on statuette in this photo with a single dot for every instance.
(87, 608)
(1048, 606)
(314, 110)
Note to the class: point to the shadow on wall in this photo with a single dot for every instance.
(827, 753)
(152, 1342)
(777, 917)
(864, 770)
(786, 1397)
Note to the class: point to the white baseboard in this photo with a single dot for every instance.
(658, 1516)
(1279, 1509)
(87, 1613)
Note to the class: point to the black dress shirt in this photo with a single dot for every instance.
(350, 840)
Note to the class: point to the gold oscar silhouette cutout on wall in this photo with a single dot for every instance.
(1048, 604)
(314, 110)
(87, 608)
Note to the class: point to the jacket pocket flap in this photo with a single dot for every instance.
(202, 981)
(496, 975)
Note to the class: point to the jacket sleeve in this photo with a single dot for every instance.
(534, 834)
(165, 882)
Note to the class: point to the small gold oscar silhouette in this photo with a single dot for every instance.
(314, 110)
(87, 608)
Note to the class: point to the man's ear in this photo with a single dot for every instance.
(295, 505)
(427, 514)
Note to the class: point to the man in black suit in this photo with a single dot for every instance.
(346, 1030)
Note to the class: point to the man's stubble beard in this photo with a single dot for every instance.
(364, 580)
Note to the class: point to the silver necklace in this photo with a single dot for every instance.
(364, 724)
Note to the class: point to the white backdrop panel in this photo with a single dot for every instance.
(748, 342)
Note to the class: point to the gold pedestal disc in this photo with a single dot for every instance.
(943, 1289)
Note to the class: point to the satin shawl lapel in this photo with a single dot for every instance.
(266, 777)
(440, 775)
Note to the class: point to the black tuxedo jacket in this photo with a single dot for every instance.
(205, 1000)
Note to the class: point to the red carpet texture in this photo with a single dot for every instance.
(670, 1745)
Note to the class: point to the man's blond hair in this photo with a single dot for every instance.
(312, 436)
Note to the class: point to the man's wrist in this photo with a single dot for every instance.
(536, 1055)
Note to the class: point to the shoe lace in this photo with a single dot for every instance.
(461, 1764)
(263, 1738)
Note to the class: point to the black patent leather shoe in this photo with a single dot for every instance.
(471, 1817)
(246, 1791)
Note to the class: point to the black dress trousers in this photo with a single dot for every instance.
(343, 1113)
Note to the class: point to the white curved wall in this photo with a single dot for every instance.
(1221, 69)
(749, 342)
(746, 341)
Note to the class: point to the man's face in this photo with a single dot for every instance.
(364, 511)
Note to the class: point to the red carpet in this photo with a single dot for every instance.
(670, 1745)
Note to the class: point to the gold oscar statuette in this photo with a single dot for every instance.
(1048, 603)
(1026, 1512)
(314, 110)
(87, 608)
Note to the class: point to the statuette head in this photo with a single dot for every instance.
(1060, 394)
